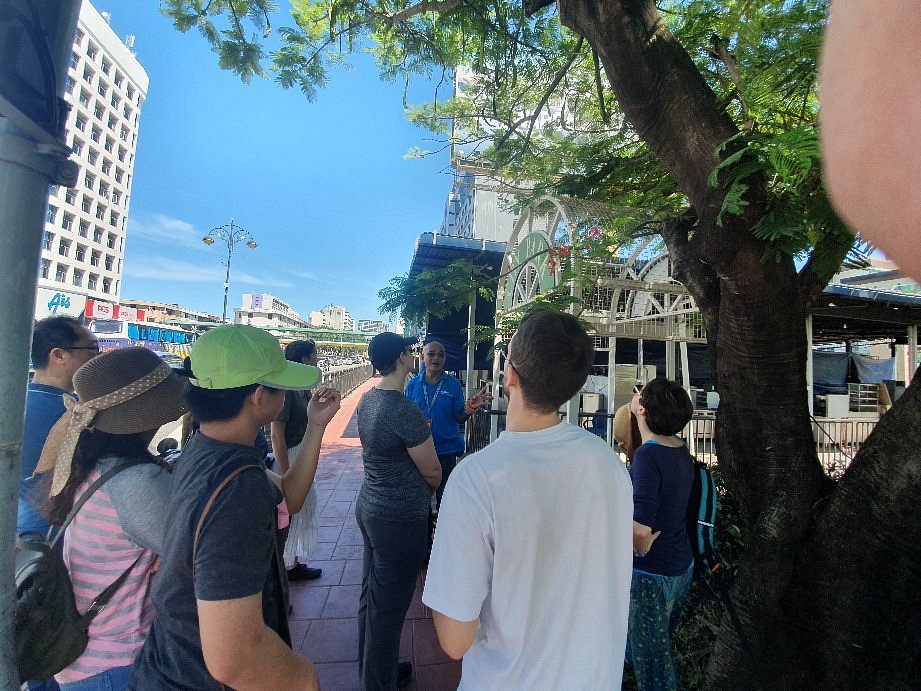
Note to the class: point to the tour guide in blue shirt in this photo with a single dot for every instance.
(441, 398)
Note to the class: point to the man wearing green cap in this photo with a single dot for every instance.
(221, 616)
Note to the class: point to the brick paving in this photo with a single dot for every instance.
(324, 624)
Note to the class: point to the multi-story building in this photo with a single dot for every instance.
(373, 325)
(84, 242)
(337, 317)
(163, 313)
(478, 206)
(267, 311)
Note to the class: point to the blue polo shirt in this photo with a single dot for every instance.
(441, 403)
(44, 407)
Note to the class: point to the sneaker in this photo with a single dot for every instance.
(404, 674)
(302, 572)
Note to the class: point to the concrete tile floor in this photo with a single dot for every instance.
(324, 626)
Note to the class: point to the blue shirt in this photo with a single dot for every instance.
(44, 407)
(441, 403)
(662, 478)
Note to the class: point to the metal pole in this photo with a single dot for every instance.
(809, 376)
(30, 159)
(471, 332)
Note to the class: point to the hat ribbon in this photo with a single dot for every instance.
(80, 416)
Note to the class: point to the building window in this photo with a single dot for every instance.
(45, 268)
(94, 257)
(112, 122)
(86, 204)
(91, 51)
(110, 144)
(79, 36)
(99, 111)
(103, 189)
(70, 196)
(106, 66)
(113, 218)
(96, 134)
(110, 241)
(78, 277)
(52, 213)
(91, 281)
(84, 229)
(74, 60)
(127, 113)
(118, 174)
(124, 134)
(89, 181)
(80, 253)
(64, 247)
(100, 211)
(121, 154)
(69, 85)
(47, 240)
(106, 166)
(67, 220)
(130, 93)
(84, 98)
(110, 262)
(106, 285)
(77, 146)
(119, 78)
(92, 156)
(80, 122)
(102, 89)
(116, 101)
(116, 196)
(97, 234)
(60, 273)
(88, 74)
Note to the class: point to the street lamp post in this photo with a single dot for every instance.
(231, 234)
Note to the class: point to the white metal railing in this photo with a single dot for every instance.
(347, 380)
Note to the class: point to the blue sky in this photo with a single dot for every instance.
(322, 186)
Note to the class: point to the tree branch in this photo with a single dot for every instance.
(599, 87)
(543, 101)
(428, 6)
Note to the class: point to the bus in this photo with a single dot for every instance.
(121, 333)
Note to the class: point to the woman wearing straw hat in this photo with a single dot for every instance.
(125, 396)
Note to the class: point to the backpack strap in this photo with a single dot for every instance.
(100, 481)
(213, 498)
(103, 598)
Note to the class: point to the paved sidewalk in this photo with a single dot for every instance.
(324, 624)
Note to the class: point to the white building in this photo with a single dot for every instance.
(338, 318)
(84, 242)
(164, 313)
(266, 311)
(373, 325)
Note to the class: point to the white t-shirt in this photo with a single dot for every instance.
(535, 538)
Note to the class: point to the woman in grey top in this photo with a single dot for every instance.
(401, 471)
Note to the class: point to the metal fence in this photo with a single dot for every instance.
(837, 439)
(347, 380)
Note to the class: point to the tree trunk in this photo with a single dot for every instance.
(810, 614)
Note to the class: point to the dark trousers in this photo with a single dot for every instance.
(393, 557)
(448, 461)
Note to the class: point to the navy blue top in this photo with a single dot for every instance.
(662, 478)
(441, 403)
(44, 407)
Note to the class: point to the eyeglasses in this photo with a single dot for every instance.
(94, 348)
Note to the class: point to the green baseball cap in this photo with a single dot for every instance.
(237, 355)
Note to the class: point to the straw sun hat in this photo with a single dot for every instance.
(123, 391)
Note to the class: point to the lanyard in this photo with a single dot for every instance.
(425, 392)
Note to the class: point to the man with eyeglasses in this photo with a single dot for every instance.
(60, 346)
(529, 578)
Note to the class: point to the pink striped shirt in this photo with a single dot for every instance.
(97, 551)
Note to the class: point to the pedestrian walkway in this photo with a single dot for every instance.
(324, 624)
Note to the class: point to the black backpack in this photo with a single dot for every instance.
(49, 631)
(701, 519)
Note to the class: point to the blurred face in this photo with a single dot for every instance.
(82, 351)
(433, 355)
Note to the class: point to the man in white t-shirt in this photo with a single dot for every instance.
(529, 577)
